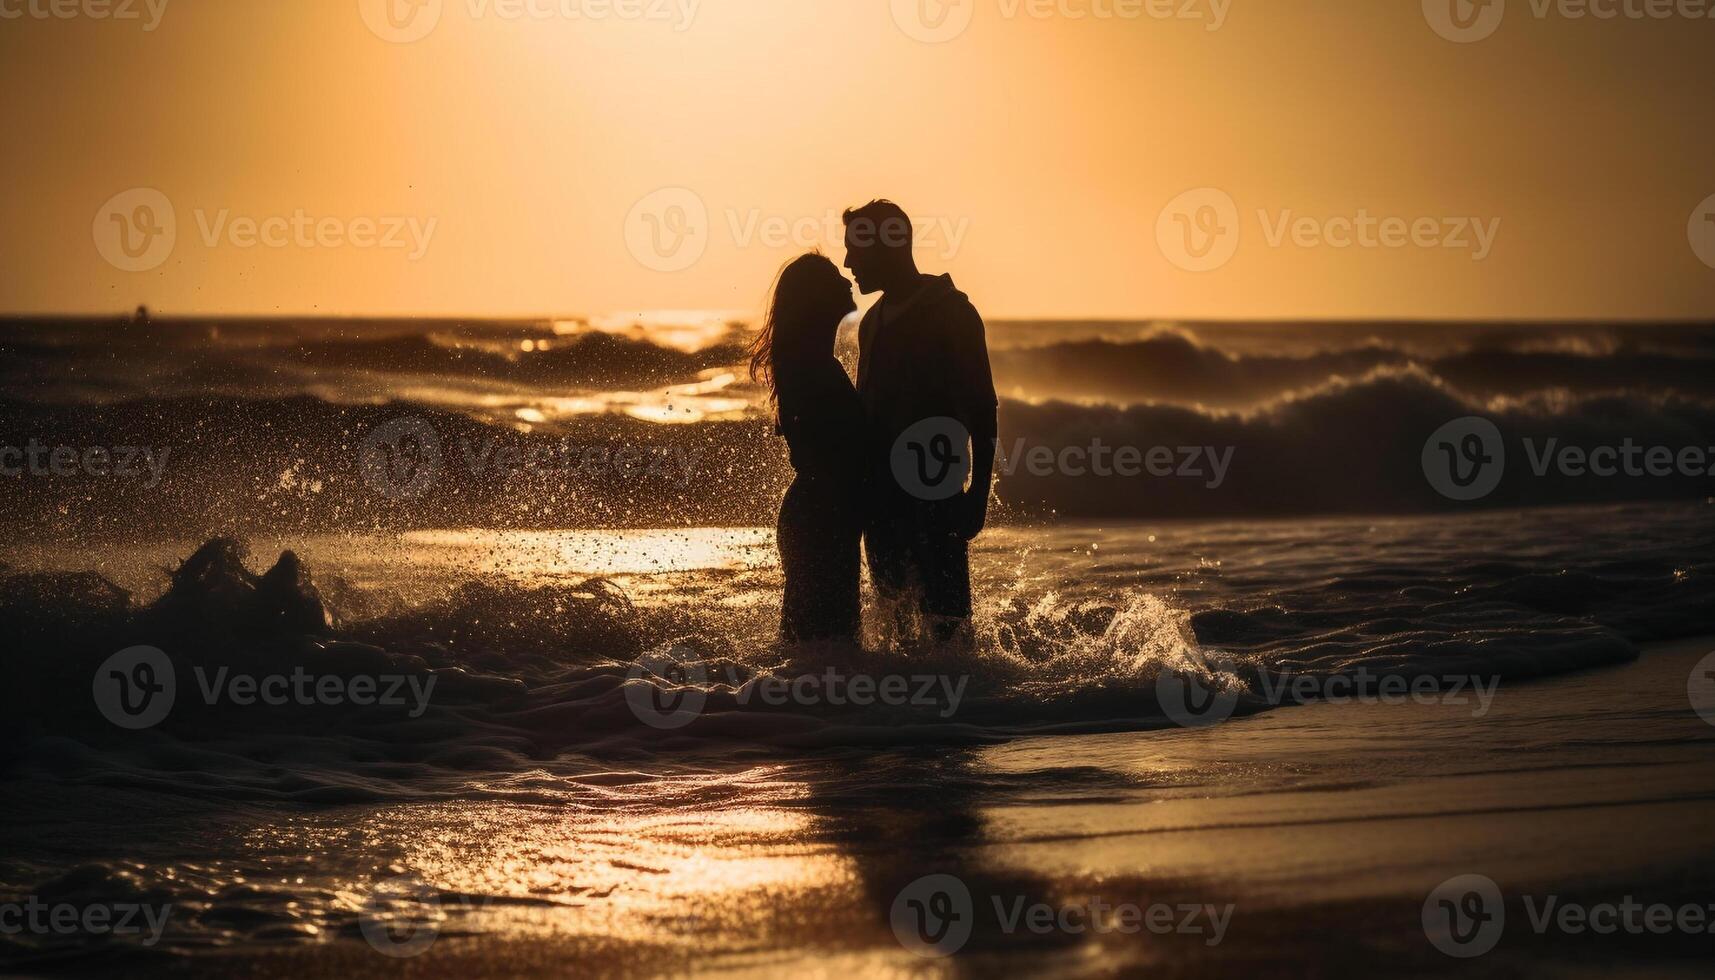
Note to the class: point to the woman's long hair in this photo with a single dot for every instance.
(800, 293)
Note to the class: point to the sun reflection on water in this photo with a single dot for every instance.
(551, 554)
(715, 397)
(686, 330)
(571, 871)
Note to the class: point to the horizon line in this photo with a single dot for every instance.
(1377, 320)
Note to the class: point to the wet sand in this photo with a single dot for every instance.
(1324, 828)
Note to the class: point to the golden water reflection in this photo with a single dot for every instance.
(716, 396)
(686, 330)
(542, 555)
(551, 871)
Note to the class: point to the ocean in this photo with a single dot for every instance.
(468, 626)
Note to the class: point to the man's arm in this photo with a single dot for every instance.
(978, 405)
(985, 431)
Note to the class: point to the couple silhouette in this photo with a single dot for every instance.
(923, 389)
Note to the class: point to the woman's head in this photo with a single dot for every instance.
(810, 299)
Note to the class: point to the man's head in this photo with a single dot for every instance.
(878, 246)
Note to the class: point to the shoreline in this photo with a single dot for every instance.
(1324, 828)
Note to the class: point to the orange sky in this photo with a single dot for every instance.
(495, 165)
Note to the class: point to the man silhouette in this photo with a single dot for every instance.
(922, 361)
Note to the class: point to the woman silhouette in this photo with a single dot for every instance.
(818, 411)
